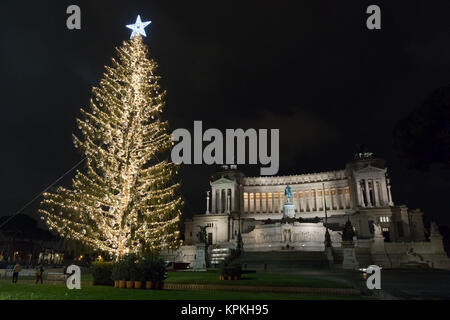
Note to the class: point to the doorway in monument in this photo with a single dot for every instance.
(210, 238)
(386, 235)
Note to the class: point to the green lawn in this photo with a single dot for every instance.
(30, 291)
(27, 290)
(249, 279)
(254, 279)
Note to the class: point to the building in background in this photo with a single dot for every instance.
(251, 209)
(22, 241)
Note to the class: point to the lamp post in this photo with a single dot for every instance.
(327, 233)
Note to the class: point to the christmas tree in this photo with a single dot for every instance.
(125, 200)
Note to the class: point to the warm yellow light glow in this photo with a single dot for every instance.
(124, 201)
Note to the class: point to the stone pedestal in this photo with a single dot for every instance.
(274, 236)
(349, 262)
(288, 211)
(329, 255)
(440, 259)
(378, 250)
(200, 258)
(328, 248)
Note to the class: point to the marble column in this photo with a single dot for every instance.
(207, 202)
(241, 205)
(348, 201)
(330, 196)
(359, 194)
(338, 199)
(375, 193)
(323, 200)
(391, 203)
(248, 202)
(267, 202)
(343, 200)
(313, 199)
(260, 202)
(254, 202)
(224, 201)
(213, 201)
(366, 186)
(233, 201)
(279, 202)
(305, 200)
(228, 201)
(383, 190)
(272, 209)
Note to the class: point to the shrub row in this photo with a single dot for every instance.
(131, 268)
(230, 272)
(101, 272)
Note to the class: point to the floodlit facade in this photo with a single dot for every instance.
(251, 209)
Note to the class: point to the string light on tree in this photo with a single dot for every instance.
(125, 200)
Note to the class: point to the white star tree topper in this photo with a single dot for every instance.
(138, 27)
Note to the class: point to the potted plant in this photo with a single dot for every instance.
(132, 270)
(128, 273)
(147, 271)
(115, 274)
(119, 273)
(230, 272)
(223, 271)
(139, 275)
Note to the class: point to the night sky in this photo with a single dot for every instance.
(310, 68)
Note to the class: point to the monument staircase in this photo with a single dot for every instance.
(279, 260)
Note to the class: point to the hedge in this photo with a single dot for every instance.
(102, 273)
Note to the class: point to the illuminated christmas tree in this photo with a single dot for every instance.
(125, 200)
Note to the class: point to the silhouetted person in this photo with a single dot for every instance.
(16, 270)
(39, 273)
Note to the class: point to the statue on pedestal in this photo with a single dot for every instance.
(435, 230)
(201, 235)
(378, 233)
(349, 262)
(348, 233)
(200, 261)
(288, 207)
(288, 194)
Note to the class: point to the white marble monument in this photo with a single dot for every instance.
(271, 212)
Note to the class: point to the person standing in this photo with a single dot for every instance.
(39, 273)
(16, 270)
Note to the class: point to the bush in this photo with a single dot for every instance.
(129, 267)
(118, 271)
(146, 269)
(151, 268)
(134, 268)
(230, 270)
(102, 273)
